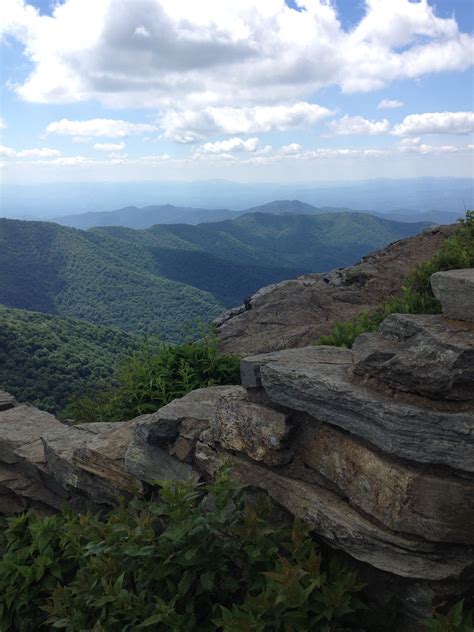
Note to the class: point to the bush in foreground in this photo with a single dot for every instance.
(199, 558)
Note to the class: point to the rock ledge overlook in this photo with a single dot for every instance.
(373, 447)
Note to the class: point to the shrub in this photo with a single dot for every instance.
(155, 375)
(456, 620)
(456, 252)
(199, 558)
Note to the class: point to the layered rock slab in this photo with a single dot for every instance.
(418, 433)
(423, 354)
(344, 528)
(455, 290)
(414, 501)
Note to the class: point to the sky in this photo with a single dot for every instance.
(245, 90)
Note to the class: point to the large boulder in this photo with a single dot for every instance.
(455, 290)
(422, 354)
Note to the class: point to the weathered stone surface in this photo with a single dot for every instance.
(20, 426)
(104, 456)
(26, 488)
(251, 365)
(455, 290)
(91, 472)
(423, 354)
(151, 463)
(344, 528)
(434, 506)
(7, 401)
(189, 416)
(260, 432)
(296, 313)
(324, 391)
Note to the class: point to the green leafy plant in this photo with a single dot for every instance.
(455, 620)
(456, 252)
(155, 375)
(198, 558)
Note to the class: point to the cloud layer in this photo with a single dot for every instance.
(158, 53)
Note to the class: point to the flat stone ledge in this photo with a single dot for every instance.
(418, 434)
(455, 290)
(250, 367)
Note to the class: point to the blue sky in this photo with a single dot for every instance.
(255, 90)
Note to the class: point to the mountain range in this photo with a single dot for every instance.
(134, 217)
(157, 279)
(382, 195)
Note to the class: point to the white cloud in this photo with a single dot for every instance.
(415, 146)
(3, 125)
(435, 123)
(109, 128)
(7, 152)
(44, 152)
(358, 125)
(160, 52)
(291, 149)
(389, 104)
(109, 146)
(188, 126)
(229, 146)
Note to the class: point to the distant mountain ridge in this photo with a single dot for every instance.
(140, 218)
(157, 279)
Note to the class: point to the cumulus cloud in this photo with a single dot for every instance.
(189, 126)
(159, 52)
(229, 146)
(348, 125)
(389, 104)
(415, 146)
(109, 128)
(109, 146)
(435, 123)
(44, 152)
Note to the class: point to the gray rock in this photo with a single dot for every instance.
(7, 401)
(344, 528)
(251, 365)
(260, 432)
(151, 463)
(187, 416)
(67, 456)
(27, 489)
(296, 313)
(20, 426)
(431, 505)
(423, 354)
(455, 290)
(324, 391)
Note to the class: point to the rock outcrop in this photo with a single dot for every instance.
(297, 312)
(373, 448)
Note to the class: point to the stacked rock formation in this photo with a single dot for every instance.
(373, 447)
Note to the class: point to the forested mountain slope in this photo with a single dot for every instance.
(158, 279)
(93, 277)
(45, 359)
(233, 258)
